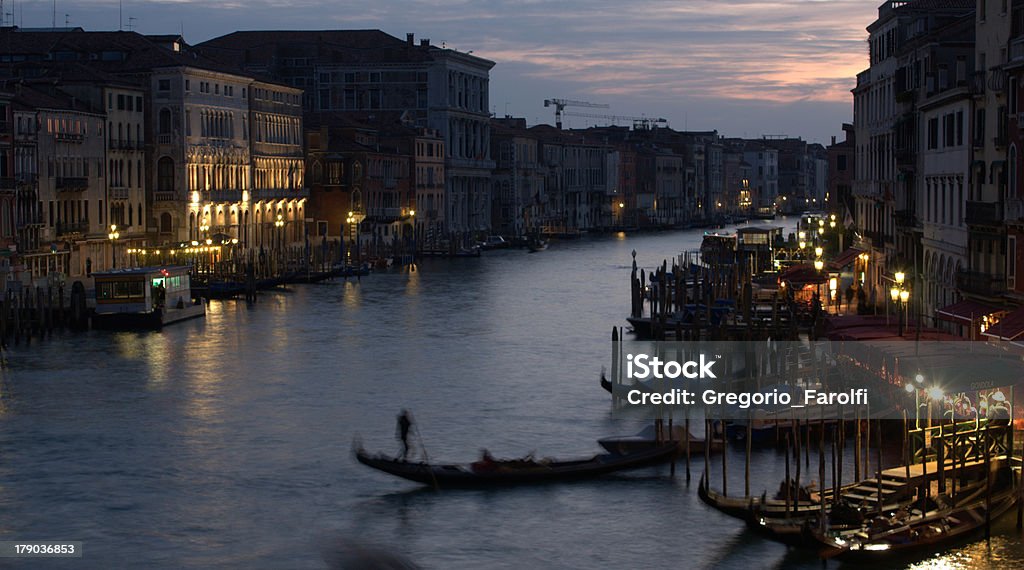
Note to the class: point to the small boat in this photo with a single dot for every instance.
(536, 244)
(494, 242)
(645, 439)
(906, 532)
(490, 472)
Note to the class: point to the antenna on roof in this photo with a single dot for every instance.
(131, 23)
(120, 15)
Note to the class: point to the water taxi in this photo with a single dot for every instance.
(144, 297)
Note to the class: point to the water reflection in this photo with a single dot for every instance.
(224, 442)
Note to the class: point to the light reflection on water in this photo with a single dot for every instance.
(224, 442)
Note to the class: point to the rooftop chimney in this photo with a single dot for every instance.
(410, 39)
(425, 42)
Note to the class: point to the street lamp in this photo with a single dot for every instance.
(900, 298)
(279, 224)
(113, 235)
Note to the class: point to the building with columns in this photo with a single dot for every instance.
(367, 71)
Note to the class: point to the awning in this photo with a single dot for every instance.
(1009, 327)
(845, 258)
(803, 274)
(967, 312)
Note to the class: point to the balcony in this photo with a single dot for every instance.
(164, 196)
(984, 213)
(66, 228)
(72, 184)
(277, 194)
(165, 139)
(978, 83)
(69, 137)
(383, 214)
(982, 284)
(125, 145)
(118, 194)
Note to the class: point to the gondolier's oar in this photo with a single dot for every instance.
(426, 459)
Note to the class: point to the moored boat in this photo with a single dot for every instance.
(646, 439)
(490, 472)
(144, 297)
(910, 532)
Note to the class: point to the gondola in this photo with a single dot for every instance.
(646, 439)
(761, 512)
(907, 533)
(495, 473)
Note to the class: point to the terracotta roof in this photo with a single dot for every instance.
(139, 53)
(46, 95)
(966, 312)
(327, 46)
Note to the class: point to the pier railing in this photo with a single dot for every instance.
(954, 443)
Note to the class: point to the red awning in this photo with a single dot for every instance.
(844, 258)
(967, 312)
(1009, 327)
(803, 274)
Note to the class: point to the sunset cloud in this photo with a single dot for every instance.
(640, 56)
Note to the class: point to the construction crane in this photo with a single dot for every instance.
(639, 123)
(561, 104)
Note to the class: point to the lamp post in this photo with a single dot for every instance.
(113, 235)
(901, 298)
(279, 224)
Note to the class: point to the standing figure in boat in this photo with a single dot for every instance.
(402, 432)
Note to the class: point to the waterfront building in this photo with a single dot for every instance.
(28, 217)
(879, 187)
(1015, 159)
(345, 71)
(8, 188)
(839, 199)
(794, 165)
(69, 139)
(736, 173)
(362, 181)
(518, 183)
(945, 166)
(125, 205)
(223, 150)
(985, 275)
(760, 192)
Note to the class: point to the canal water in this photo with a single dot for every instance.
(226, 442)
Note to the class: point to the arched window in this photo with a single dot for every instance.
(165, 174)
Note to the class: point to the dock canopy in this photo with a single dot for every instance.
(803, 274)
(968, 312)
(845, 258)
(1010, 327)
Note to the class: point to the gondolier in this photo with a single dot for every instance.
(402, 431)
